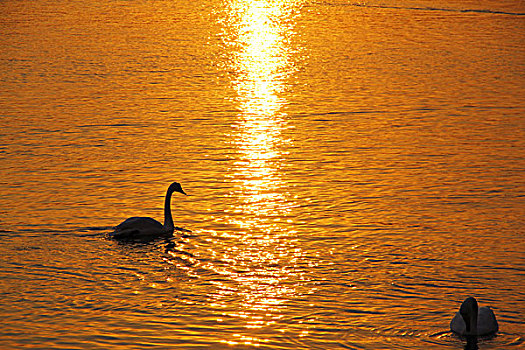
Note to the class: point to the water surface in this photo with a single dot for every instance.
(355, 170)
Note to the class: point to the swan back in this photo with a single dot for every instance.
(487, 323)
(138, 227)
(457, 325)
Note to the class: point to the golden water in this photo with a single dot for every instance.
(355, 170)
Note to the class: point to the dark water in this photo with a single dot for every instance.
(355, 170)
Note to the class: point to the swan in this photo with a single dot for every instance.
(143, 227)
(471, 321)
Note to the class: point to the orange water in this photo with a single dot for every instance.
(355, 170)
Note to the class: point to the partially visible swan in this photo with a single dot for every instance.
(143, 227)
(470, 321)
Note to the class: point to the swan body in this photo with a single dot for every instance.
(144, 227)
(471, 321)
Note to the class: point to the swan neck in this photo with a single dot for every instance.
(474, 324)
(471, 322)
(168, 219)
(469, 312)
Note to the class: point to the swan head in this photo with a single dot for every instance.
(176, 187)
(469, 312)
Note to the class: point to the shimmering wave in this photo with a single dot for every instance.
(431, 8)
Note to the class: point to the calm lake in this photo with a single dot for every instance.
(354, 170)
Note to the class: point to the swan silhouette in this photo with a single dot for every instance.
(144, 227)
(471, 321)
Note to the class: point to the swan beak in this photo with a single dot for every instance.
(182, 191)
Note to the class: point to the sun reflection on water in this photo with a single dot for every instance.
(261, 62)
(261, 265)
